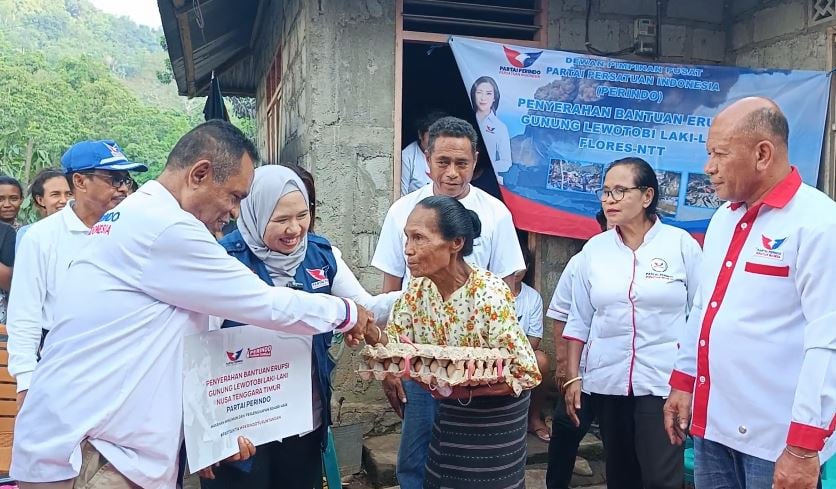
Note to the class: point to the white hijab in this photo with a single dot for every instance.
(271, 183)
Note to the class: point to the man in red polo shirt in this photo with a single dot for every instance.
(756, 373)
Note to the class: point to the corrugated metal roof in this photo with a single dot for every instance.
(223, 44)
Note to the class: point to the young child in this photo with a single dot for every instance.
(529, 307)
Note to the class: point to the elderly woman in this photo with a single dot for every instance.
(631, 292)
(479, 437)
(273, 240)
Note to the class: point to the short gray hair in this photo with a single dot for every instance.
(218, 141)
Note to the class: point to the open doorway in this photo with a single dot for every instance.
(431, 81)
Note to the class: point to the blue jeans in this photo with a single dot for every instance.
(717, 466)
(418, 417)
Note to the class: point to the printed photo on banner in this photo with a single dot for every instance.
(700, 192)
(550, 118)
(243, 381)
(669, 184)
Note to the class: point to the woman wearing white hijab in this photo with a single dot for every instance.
(273, 240)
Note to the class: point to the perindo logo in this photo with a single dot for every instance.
(521, 63)
(260, 351)
(234, 357)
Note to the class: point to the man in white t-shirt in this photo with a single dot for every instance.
(451, 153)
(415, 173)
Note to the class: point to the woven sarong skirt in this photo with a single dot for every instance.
(481, 445)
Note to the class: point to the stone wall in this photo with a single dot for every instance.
(778, 34)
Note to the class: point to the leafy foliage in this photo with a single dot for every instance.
(69, 72)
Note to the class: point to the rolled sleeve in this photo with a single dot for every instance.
(814, 405)
(582, 311)
(561, 301)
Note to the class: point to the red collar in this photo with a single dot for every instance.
(781, 194)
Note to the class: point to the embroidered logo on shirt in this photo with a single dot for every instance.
(320, 277)
(489, 129)
(770, 248)
(658, 265)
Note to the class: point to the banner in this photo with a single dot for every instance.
(244, 381)
(552, 121)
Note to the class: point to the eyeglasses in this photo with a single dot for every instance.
(116, 181)
(617, 193)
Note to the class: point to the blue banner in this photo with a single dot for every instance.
(552, 121)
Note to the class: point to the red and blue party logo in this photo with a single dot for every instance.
(519, 59)
(772, 244)
(320, 277)
(234, 356)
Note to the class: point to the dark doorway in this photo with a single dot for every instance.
(431, 81)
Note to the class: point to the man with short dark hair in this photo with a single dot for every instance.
(98, 173)
(451, 152)
(106, 399)
(758, 360)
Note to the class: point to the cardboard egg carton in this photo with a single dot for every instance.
(436, 365)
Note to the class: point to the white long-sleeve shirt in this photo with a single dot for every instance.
(629, 308)
(111, 368)
(347, 286)
(415, 172)
(759, 352)
(41, 264)
(497, 249)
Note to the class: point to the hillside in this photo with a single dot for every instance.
(70, 72)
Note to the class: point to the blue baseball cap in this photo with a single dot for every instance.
(98, 155)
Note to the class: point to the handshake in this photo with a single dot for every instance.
(365, 329)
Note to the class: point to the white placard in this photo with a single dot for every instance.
(243, 381)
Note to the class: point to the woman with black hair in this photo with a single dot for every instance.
(11, 197)
(631, 293)
(484, 97)
(479, 436)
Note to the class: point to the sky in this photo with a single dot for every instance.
(143, 12)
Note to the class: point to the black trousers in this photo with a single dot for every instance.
(563, 446)
(639, 454)
(294, 463)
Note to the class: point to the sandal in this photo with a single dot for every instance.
(542, 434)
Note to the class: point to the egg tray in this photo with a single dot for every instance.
(436, 365)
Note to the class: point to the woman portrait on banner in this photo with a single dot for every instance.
(273, 240)
(479, 437)
(631, 292)
(484, 97)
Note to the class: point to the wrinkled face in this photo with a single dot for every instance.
(56, 195)
(10, 200)
(212, 203)
(732, 162)
(101, 190)
(451, 162)
(484, 97)
(632, 206)
(289, 223)
(427, 252)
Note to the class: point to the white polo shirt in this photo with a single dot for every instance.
(41, 264)
(497, 249)
(761, 344)
(529, 306)
(562, 298)
(497, 142)
(415, 172)
(111, 368)
(629, 308)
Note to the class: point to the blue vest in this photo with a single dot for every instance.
(315, 275)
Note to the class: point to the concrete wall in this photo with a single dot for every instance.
(337, 110)
(777, 34)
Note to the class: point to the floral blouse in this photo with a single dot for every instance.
(481, 313)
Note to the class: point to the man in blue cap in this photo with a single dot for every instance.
(98, 174)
